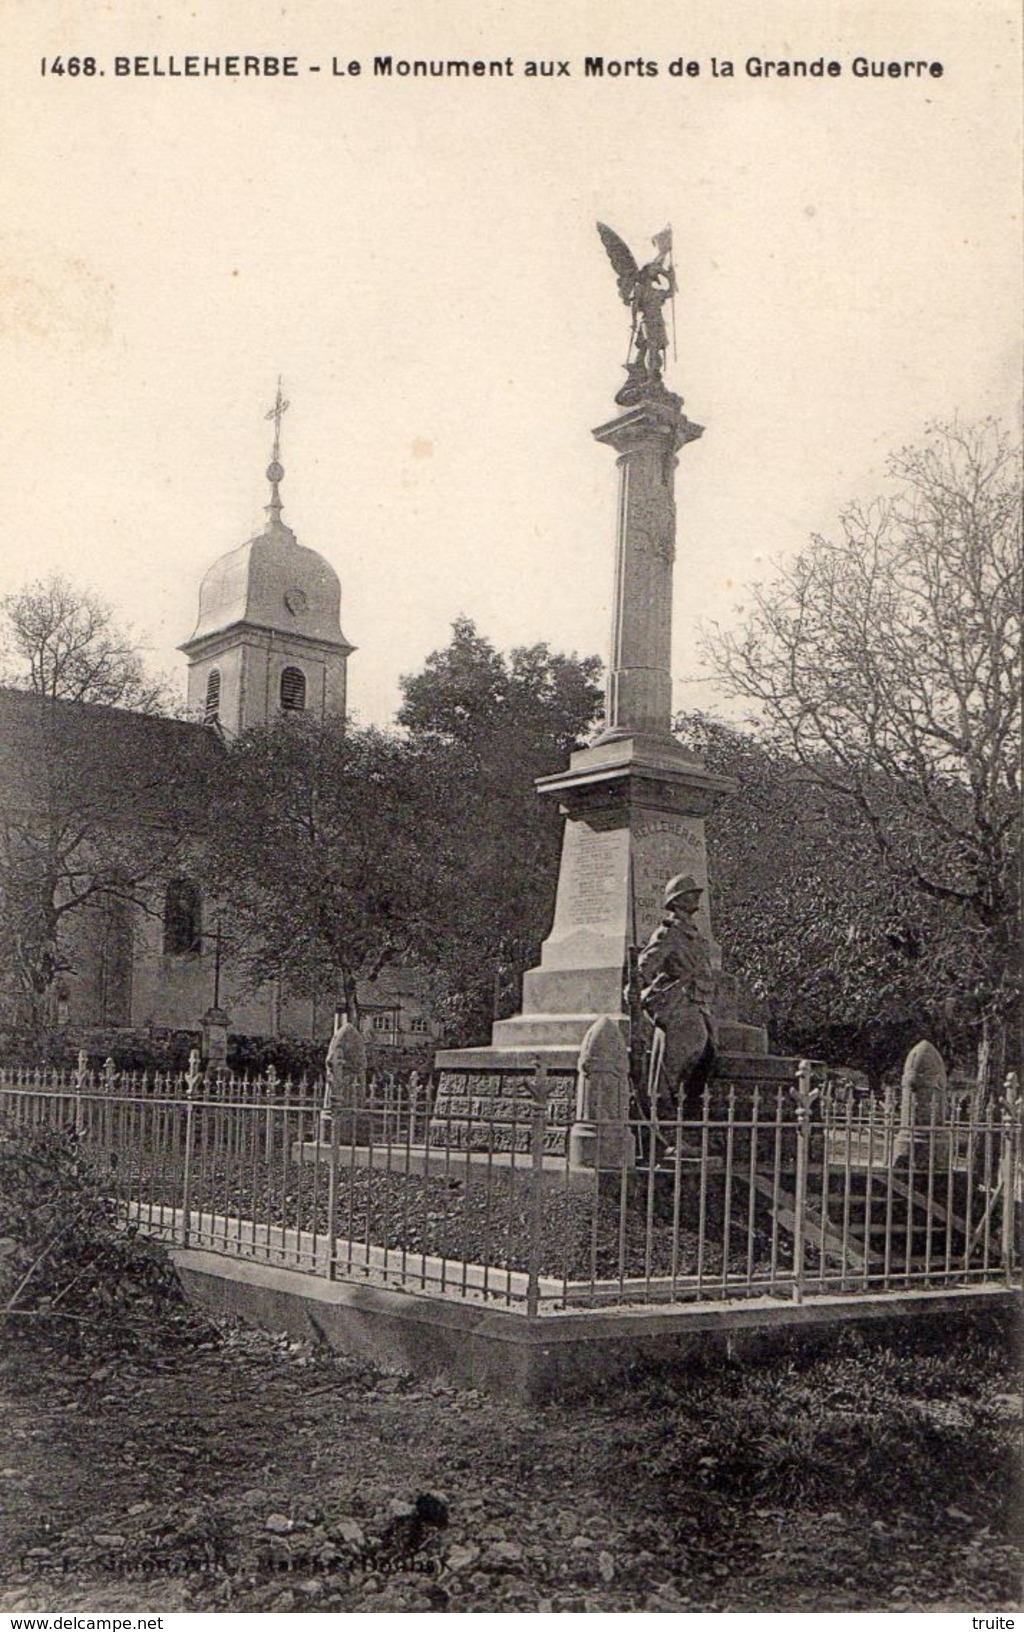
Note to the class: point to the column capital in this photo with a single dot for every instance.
(657, 419)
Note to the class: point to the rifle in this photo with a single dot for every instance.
(637, 1050)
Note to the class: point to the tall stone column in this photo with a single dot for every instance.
(638, 696)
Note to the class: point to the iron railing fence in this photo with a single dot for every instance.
(775, 1190)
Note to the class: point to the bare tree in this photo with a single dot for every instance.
(63, 642)
(889, 664)
(94, 792)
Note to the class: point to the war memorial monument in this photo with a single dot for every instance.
(634, 800)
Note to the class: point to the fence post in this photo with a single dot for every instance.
(192, 1079)
(538, 1123)
(270, 1084)
(804, 1096)
(1008, 1174)
(332, 1194)
(81, 1073)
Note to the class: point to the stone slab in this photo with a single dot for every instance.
(465, 1165)
(492, 1111)
(555, 1057)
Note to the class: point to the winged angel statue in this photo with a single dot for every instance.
(644, 289)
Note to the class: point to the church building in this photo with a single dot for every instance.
(268, 641)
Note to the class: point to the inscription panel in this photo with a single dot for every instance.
(662, 847)
(591, 893)
(494, 1138)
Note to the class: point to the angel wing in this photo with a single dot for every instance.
(621, 257)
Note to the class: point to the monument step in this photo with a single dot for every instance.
(755, 1068)
(557, 1057)
(541, 1030)
(737, 1067)
(528, 1030)
(734, 1037)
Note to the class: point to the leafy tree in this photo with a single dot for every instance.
(338, 851)
(330, 848)
(510, 719)
(844, 960)
(888, 664)
(94, 792)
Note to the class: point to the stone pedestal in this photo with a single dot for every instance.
(635, 809)
(215, 1037)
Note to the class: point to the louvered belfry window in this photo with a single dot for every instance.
(211, 712)
(293, 689)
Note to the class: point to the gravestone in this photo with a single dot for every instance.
(345, 1097)
(601, 1138)
(924, 1107)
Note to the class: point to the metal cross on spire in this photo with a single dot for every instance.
(275, 469)
(276, 413)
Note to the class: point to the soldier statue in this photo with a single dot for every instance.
(677, 986)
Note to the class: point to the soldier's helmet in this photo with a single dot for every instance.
(682, 884)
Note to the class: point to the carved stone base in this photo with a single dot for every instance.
(491, 1110)
(600, 1149)
(355, 1127)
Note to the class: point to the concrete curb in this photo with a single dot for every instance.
(556, 1355)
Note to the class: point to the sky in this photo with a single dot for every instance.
(418, 260)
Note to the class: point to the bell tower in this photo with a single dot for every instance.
(268, 638)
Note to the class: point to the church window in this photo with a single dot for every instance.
(182, 921)
(211, 713)
(293, 689)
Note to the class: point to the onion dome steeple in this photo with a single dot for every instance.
(269, 608)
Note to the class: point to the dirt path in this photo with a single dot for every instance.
(261, 1474)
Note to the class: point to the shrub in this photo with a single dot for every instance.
(71, 1275)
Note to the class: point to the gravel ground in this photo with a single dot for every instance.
(255, 1473)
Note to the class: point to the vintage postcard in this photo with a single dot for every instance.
(476, 368)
